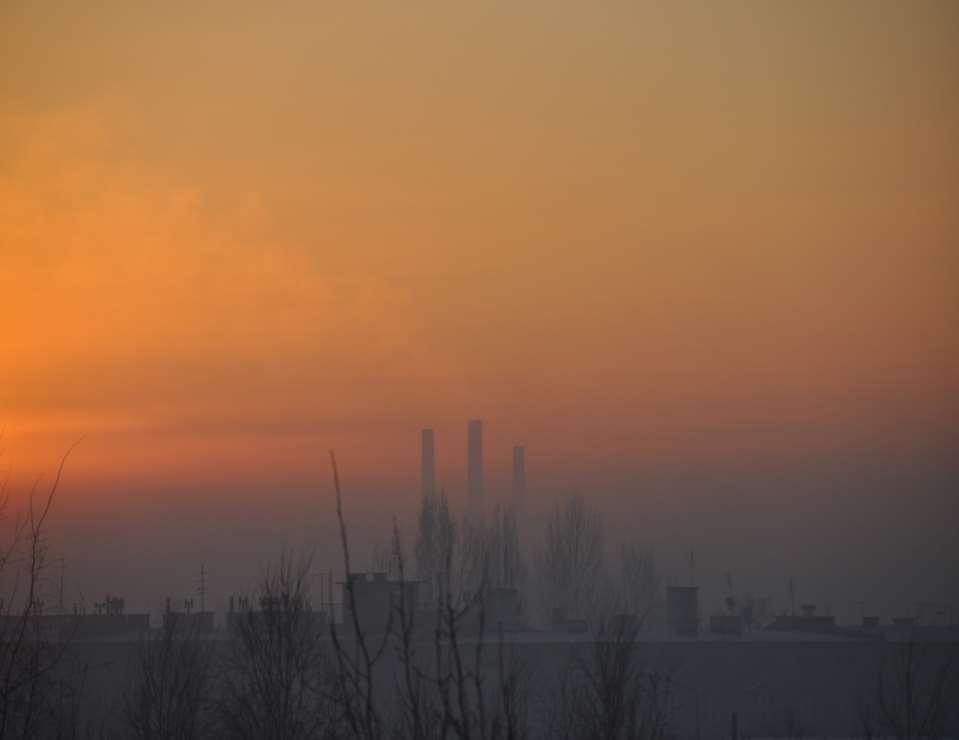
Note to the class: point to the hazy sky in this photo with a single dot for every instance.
(630, 235)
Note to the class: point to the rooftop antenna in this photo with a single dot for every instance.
(202, 588)
(792, 595)
(63, 567)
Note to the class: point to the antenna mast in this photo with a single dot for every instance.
(202, 589)
(63, 567)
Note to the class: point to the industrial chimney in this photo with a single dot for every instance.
(474, 469)
(428, 464)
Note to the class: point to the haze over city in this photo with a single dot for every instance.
(699, 259)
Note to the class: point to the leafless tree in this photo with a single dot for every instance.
(506, 565)
(912, 695)
(792, 724)
(274, 677)
(356, 654)
(29, 652)
(440, 688)
(607, 695)
(426, 539)
(381, 560)
(417, 714)
(468, 706)
(169, 692)
(72, 716)
(638, 583)
(571, 564)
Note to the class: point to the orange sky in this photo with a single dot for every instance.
(233, 238)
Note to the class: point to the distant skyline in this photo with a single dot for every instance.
(662, 245)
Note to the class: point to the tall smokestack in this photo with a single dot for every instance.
(428, 464)
(519, 481)
(474, 468)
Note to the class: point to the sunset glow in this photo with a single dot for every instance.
(234, 238)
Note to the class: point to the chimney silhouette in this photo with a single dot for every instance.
(428, 464)
(474, 468)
